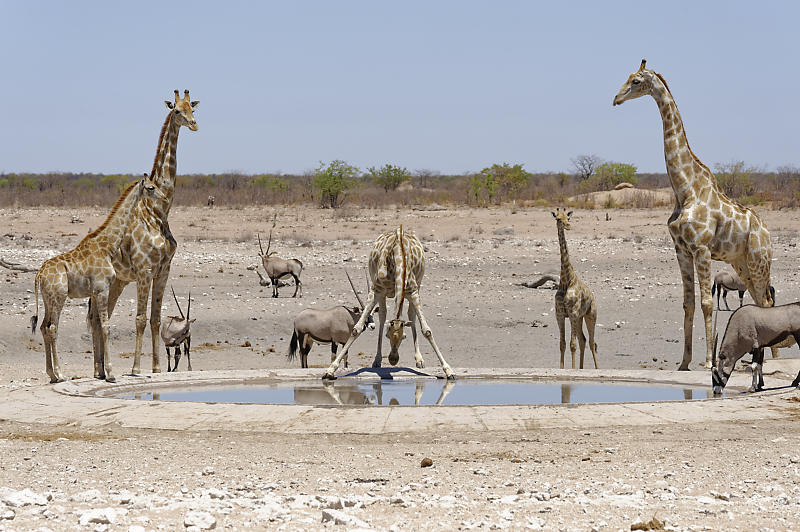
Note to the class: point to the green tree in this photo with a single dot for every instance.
(271, 182)
(333, 181)
(388, 176)
(503, 178)
(735, 178)
(609, 175)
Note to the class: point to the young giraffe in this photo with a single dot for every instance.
(396, 267)
(705, 225)
(574, 300)
(87, 271)
(147, 249)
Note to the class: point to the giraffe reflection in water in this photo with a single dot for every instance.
(362, 394)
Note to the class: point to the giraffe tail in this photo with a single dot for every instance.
(35, 317)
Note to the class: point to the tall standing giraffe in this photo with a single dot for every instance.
(396, 267)
(146, 251)
(574, 300)
(87, 271)
(705, 225)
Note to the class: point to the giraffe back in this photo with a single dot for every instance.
(386, 263)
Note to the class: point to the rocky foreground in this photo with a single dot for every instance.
(680, 477)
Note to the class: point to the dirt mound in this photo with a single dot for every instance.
(628, 197)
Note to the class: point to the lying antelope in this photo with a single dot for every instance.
(331, 326)
(750, 329)
(278, 268)
(729, 281)
(175, 331)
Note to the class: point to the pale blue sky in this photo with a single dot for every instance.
(451, 86)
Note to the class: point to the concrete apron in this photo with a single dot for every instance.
(80, 403)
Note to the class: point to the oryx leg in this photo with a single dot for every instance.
(169, 360)
(756, 368)
(741, 297)
(413, 299)
(376, 363)
(177, 357)
(297, 286)
(412, 317)
(186, 344)
(358, 328)
(334, 348)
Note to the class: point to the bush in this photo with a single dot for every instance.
(389, 177)
(735, 179)
(333, 181)
(608, 175)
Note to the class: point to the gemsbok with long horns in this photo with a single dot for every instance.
(176, 332)
(330, 326)
(278, 268)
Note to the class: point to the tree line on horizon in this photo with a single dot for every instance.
(336, 183)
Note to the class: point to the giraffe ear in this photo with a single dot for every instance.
(569, 214)
(553, 213)
(407, 324)
(170, 105)
(195, 104)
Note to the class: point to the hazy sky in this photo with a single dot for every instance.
(452, 86)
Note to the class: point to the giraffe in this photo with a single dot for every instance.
(705, 225)
(146, 251)
(87, 271)
(396, 268)
(574, 300)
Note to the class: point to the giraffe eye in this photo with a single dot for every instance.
(636, 81)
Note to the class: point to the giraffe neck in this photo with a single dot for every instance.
(165, 163)
(113, 230)
(400, 273)
(683, 166)
(567, 271)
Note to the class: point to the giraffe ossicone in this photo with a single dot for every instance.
(147, 249)
(705, 224)
(573, 299)
(88, 271)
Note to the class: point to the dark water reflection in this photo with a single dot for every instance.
(425, 392)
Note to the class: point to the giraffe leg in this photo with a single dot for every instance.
(358, 328)
(562, 340)
(686, 264)
(413, 299)
(113, 296)
(381, 323)
(142, 289)
(574, 328)
(412, 316)
(591, 321)
(159, 285)
(703, 265)
(49, 328)
(97, 349)
(101, 302)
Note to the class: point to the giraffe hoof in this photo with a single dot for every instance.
(111, 378)
(56, 380)
(328, 376)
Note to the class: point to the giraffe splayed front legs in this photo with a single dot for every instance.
(705, 224)
(396, 268)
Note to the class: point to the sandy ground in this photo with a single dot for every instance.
(690, 477)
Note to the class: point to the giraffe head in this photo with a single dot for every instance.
(148, 190)
(638, 84)
(562, 218)
(396, 333)
(183, 109)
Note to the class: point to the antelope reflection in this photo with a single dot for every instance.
(342, 394)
